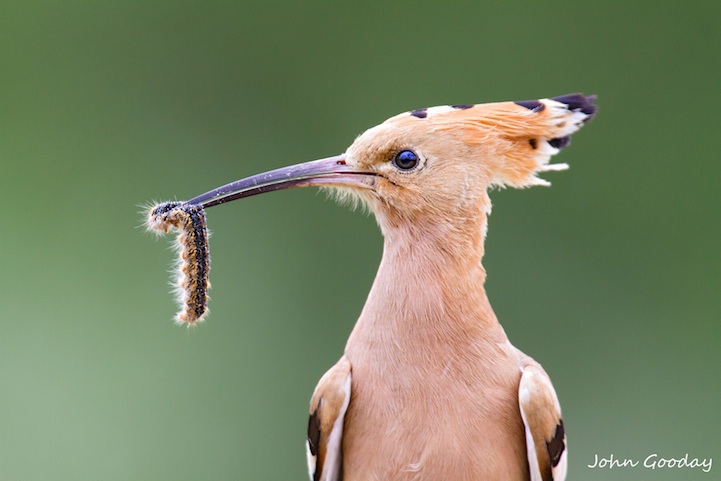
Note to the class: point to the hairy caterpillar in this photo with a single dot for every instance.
(194, 260)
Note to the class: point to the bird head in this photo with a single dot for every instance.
(430, 169)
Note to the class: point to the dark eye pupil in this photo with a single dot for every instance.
(405, 159)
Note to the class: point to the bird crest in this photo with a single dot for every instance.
(512, 141)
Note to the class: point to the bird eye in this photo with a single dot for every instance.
(405, 160)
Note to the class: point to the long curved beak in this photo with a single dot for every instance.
(331, 171)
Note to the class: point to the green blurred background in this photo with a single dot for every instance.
(611, 278)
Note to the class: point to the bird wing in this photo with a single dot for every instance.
(541, 413)
(325, 426)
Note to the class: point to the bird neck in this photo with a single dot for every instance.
(429, 288)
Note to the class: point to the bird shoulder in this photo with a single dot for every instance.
(325, 426)
(541, 413)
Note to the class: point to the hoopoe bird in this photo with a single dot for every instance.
(429, 386)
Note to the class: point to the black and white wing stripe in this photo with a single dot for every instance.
(325, 427)
(545, 434)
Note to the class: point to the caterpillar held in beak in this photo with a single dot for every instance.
(194, 255)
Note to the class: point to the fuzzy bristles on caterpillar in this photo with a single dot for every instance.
(194, 260)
